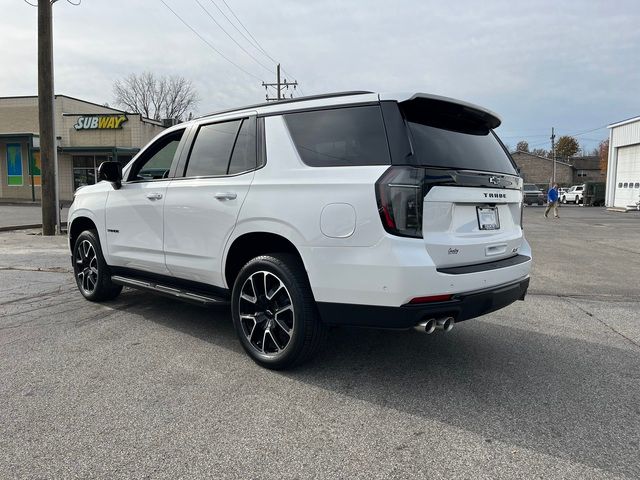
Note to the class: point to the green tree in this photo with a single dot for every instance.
(522, 146)
(566, 147)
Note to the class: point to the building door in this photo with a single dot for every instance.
(627, 177)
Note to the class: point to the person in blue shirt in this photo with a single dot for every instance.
(552, 199)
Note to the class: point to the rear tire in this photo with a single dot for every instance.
(274, 312)
(92, 274)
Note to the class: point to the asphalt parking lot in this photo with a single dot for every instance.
(147, 387)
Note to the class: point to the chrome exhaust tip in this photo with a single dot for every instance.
(428, 326)
(445, 324)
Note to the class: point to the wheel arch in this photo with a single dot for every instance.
(79, 225)
(253, 244)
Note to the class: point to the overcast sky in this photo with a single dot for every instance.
(573, 64)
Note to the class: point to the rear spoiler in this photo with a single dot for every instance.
(468, 110)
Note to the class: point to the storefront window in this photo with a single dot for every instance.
(85, 169)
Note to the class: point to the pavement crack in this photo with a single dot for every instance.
(38, 296)
(603, 297)
(599, 320)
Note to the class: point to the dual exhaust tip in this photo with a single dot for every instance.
(429, 326)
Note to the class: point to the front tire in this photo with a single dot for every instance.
(274, 312)
(90, 270)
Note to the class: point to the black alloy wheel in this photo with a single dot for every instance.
(274, 313)
(92, 274)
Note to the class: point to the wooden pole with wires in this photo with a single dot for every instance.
(280, 86)
(46, 117)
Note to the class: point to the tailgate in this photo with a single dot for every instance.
(468, 225)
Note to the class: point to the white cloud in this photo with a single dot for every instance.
(573, 65)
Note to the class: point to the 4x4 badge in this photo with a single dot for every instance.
(495, 180)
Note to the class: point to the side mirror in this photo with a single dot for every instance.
(111, 172)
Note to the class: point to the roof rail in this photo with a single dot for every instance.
(288, 100)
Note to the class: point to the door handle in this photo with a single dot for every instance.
(154, 196)
(226, 195)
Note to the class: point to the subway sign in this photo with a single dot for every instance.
(100, 122)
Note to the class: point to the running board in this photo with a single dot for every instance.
(200, 298)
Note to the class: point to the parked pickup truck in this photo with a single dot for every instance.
(532, 194)
(574, 195)
(589, 194)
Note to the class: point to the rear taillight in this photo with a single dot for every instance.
(400, 195)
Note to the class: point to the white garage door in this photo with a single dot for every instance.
(627, 177)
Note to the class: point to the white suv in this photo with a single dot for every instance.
(392, 211)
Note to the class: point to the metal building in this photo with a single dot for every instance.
(623, 170)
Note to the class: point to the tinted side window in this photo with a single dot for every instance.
(340, 137)
(212, 149)
(244, 152)
(156, 161)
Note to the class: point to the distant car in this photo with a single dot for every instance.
(532, 194)
(562, 192)
(573, 195)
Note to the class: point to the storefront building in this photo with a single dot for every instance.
(87, 134)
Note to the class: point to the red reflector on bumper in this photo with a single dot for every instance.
(432, 298)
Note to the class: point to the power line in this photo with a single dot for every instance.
(209, 43)
(571, 135)
(251, 42)
(246, 30)
(233, 39)
(257, 44)
(279, 86)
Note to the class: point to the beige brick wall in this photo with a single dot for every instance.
(65, 169)
(20, 115)
(539, 170)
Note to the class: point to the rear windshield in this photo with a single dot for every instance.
(449, 135)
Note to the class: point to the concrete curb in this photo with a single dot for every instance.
(621, 210)
(11, 228)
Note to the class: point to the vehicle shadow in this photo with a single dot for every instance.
(555, 395)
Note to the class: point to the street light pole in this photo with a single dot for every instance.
(553, 153)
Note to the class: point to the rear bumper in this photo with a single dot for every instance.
(461, 307)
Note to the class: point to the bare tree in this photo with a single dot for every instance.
(156, 97)
(541, 152)
(522, 146)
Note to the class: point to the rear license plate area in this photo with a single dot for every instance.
(488, 218)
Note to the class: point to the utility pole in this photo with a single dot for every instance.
(553, 153)
(50, 211)
(280, 86)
